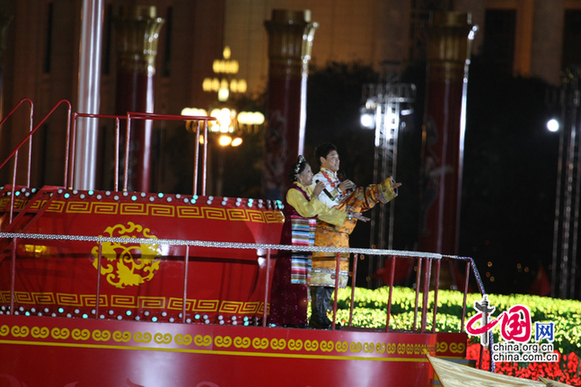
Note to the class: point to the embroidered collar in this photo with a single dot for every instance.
(330, 176)
(301, 188)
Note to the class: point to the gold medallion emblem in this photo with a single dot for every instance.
(127, 264)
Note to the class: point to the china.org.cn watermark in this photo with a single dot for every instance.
(515, 332)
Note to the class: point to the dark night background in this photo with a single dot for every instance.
(510, 165)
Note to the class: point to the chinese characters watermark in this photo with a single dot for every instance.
(515, 331)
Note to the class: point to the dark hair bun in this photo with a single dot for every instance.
(297, 168)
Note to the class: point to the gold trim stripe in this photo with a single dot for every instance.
(214, 213)
(43, 298)
(189, 212)
(165, 338)
(132, 302)
(78, 207)
(151, 209)
(214, 352)
(161, 210)
(133, 209)
(256, 216)
(231, 306)
(104, 208)
(56, 206)
(237, 214)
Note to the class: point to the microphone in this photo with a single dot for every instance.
(325, 191)
(342, 177)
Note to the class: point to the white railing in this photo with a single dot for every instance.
(423, 273)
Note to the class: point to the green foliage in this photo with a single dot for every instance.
(370, 311)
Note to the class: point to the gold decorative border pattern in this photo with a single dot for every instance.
(133, 302)
(151, 209)
(444, 346)
(220, 343)
(18, 203)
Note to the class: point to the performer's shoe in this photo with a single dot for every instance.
(298, 326)
(319, 318)
(327, 297)
(337, 325)
(318, 323)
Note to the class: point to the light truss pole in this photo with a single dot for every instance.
(386, 102)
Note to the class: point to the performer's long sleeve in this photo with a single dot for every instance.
(314, 207)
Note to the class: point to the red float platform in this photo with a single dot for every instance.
(42, 351)
(137, 278)
(110, 295)
(142, 333)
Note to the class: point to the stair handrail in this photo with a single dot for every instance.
(29, 138)
(33, 130)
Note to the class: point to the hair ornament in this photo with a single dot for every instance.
(298, 164)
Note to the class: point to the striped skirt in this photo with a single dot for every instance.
(302, 234)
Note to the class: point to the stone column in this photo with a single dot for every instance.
(290, 35)
(137, 31)
(443, 132)
(547, 41)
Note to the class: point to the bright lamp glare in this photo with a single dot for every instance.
(194, 112)
(225, 140)
(367, 121)
(553, 125)
(237, 141)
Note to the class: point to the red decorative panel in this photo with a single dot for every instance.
(451, 345)
(139, 280)
(155, 354)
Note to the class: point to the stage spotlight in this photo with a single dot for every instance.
(553, 125)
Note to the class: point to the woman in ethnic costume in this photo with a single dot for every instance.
(288, 305)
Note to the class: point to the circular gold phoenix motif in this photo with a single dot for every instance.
(126, 264)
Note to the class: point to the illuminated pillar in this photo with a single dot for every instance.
(88, 94)
(290, 37)
(449, 37)
(137, 32)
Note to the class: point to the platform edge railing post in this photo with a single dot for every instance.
(117, 151)
(29, 167)
(196, 159)
(13, 275)
(337, 272)
(426, 291)
(353, 284)
(12, 191)
(418, 279)
(185, 300)
(71, 179)
(436, 287)
(266, 288)
(127, 141)
(98, 295)
(205, 159)
(67, 143)
(465, 296)
(389, 299)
